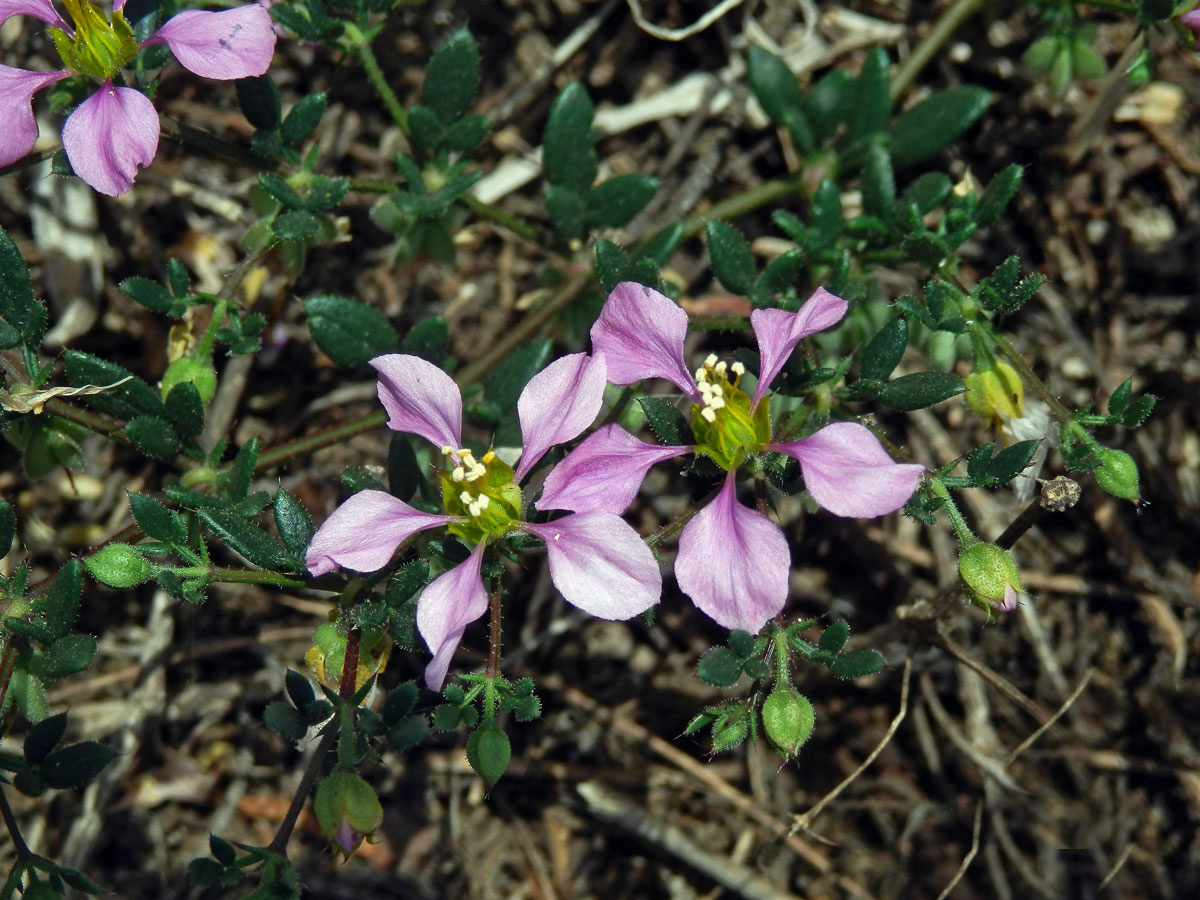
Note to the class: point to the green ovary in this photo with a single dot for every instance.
(726, 429)
(99, 49)
(482, 492)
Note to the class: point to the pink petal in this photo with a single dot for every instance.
(849, 473)
(451, 603)
(733, 562)
(600, 564)
(109, 135)
(641, 334)
(233, 43)
(17, 88)
(40, 9)
(558, 403)
(603, 473)
(364, 532)
(420, 399)
(1191, 20)
(778, 332)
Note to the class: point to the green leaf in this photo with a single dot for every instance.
(870, 106)
(347, 331)
(259, 100)
(926, 192)
(429, 339)
(997, 194)
(827, 219)
(741, 642)
(133, 397)
(326, 193)
(204, 872)
(719, 666)
(883, 353)
(68, 655)
(44, 737)
(1119, 398)
(147, 293)
(667, 422)
(75, 766)
(407, 733)
(286, 719)
(156, 521)
(926, 248)
(779, 276)
(568, 210)
(245, 538)
(613, 203)
(452, 77)
(222, 851)
(303, 119)
(18, 307)
(773, 83)
(185, 410)
(178, 278)
(834, 637)
(466, 134)
(1138, 411)
(1011, 461)
(426, 127)
(154, 436)
(732, 260)
(856, 663)
(569, 157)
(404, 472)
(280, 190)
(935, 122)
(241, 472)
(293, 523)
(79, 881)
(827, 103)
(8, 527)
(33, 630)
(9, 336)
(660, 247)
(612, 264)
(512, 374)
(296, 225)
(879, 184)
(921, 389)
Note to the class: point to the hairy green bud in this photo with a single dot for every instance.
(120, 566)
(788, 720)
(488, 752)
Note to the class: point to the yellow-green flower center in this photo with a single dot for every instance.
(482, 492)
(99, 48)
(726, 429)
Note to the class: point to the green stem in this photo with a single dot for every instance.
(14, 830)
(966, 537)
(942, 30)
(246, 576)
(783, 675)
(498, 216)
(313, 442)
(360, 46)
(767, 192)
(279, 843)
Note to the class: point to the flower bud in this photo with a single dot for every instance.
(488, 752)
(119, 566)
(991, 577)
(1118, 474)
(347, 810)
(788, 719)
(199, 372)
(995, 393)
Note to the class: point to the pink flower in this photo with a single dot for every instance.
(596, 560)
(733, 561)
(1191, 21)
(115, 130)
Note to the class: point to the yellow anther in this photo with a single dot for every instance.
(489, 456)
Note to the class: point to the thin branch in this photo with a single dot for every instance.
(962, 869)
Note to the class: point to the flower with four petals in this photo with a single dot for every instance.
(116, 129)
(733, 561)
(597, 561)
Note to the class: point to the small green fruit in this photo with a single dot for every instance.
(788, 719)
(488, 752)
(1118, 474)
(120, 566)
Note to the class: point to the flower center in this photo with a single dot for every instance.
(480, 491)
(726, 429)
(98, 48)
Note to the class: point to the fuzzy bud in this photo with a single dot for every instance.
(119, 566)
(347, 810)
(788, 719)
(991, 577)
(488, 752)
(1118, 474)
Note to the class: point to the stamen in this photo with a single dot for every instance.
(717, 403)
(738, 369)
(708, 415)
(465, 498)
(489, 457)
(457, 474)
(447, 450)
(718, 391)
(720, 368)
(710, 361)
(701, 377)
(483, 501)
